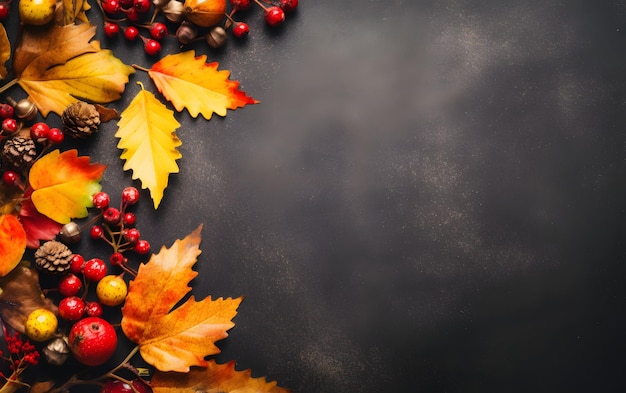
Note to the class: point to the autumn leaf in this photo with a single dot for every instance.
(148, 139)
(189, 82)
(5, 51)
(64, 184)
(174, 339)
(214, 378)
(21, 295)
(75, 9)
(12, 243)
(59, 65)
(37, 226)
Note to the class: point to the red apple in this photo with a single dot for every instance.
(93, 341)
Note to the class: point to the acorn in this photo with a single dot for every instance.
(70, 233)
(216, 37)
(174, 11)
(205, 13)
(186, 32)
(25, 109)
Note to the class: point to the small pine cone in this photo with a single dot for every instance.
(19, 152)
(80, 119)
(53, 256)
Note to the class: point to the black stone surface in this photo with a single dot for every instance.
(429, 197)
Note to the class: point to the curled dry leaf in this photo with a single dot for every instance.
(214, 378)
(169, 338)
(58, 65)
(21, 294)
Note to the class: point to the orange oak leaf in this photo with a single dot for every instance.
(58, 65)
(214, 378)
(12, 243)
(64, 184)
(189, 82)
(169, 338)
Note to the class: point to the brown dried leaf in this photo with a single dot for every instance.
(21, 294)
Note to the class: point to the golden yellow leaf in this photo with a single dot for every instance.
(174, 339)
(189, 82)
(5, 51)
(58, 65)
(75, 9)
(148, 139)
(214, 378)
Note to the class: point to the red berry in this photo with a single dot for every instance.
(94, 269)
(130, 196)
(4, 10)
(288, 5)
(9, 125)
(6, 111)
(152, 47)
(101, 200)
(158, 30)
(71, 308)
(39, 131)
(133, 15)
(142, 6)
(117, 259)
(241, 29)
(117, 386)
(274, 16)
(10, 178)
(96, 232)
(111, 29)
(111, 6)
(93, 309)
(129, 219)
(132, 235)
(131, 32)
(240, 5)
(70, 285)
(142, 247)
(56, 136)
(92, 341)
(111, 216)
(76, 264)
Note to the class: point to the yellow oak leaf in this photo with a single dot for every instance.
(64, 184)
(189, 82)
(174, 338)
(5, 51)
(58, 65)
(148, 139)
(12, 243)
(214, 378)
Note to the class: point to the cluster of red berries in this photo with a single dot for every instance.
(118, 227)
(127, 17)
(74, 304)
(22, 353)
(5, 8)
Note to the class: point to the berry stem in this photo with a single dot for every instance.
(261, 4)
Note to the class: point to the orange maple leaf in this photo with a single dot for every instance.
(214, 378)
(189, 82)
(12, 243)
(174, 339)
(64, 184)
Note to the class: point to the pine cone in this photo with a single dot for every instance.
(80, 119)
(53, 256)
(19, 152)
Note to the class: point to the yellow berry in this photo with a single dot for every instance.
(111, 290)
(41, 325)
(37, 12)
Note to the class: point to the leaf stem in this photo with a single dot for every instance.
(8, 85)
(140, 68)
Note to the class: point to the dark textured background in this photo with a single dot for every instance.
(430, 196)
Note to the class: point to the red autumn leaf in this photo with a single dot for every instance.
(214, 378)
(37, 226)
